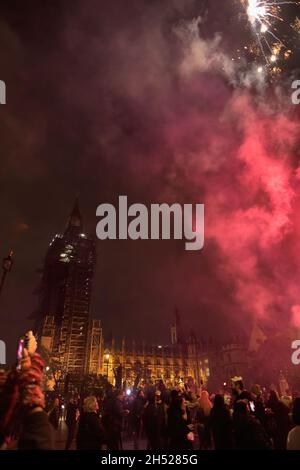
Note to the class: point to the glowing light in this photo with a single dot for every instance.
(263, 28)
(265, 17)
(256, 10)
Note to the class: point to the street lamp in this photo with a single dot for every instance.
(107, 364)
(6, 267)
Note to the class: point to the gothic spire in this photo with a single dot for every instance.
(75, 219)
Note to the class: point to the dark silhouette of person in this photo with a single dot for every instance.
(282, 420)
(238, 390)
(113, 419)
(90, 435)
(137, 417)
(178, 430)
(293, 439)
(72, 416)
(54, 413)
(151, 423)
(248, 431)
(221, 424)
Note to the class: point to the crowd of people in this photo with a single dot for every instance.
(153, 418)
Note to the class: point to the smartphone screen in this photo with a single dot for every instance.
(20, 349)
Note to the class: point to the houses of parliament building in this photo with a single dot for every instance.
(68, 334)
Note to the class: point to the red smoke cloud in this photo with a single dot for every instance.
(241, 153)
(256, 213)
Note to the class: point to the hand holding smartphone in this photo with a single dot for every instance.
(27, 346)
(252, 406)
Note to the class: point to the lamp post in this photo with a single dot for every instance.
(107, 364)
(6, 267)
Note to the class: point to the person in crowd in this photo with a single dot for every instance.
(260, 421)
(221, 424)
(238, 390)
(128, 429)
(257, 404)
(162, 413)
(90, 435)
(192, 406)
(203, 420)
(113, 419)
(152, 424)
(23, 421)
(280, 413)
(161, 388)
(248, 431)
(293, 439)
(137, 417)
(179, 432)
(72, 416)
(287, 400)
(54, 413)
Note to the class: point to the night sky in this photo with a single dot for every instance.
(124, 98)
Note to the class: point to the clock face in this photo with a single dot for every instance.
(7, 264)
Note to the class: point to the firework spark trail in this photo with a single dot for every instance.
(263, 17)
(260, 10)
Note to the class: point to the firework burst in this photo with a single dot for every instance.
(265, 18)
